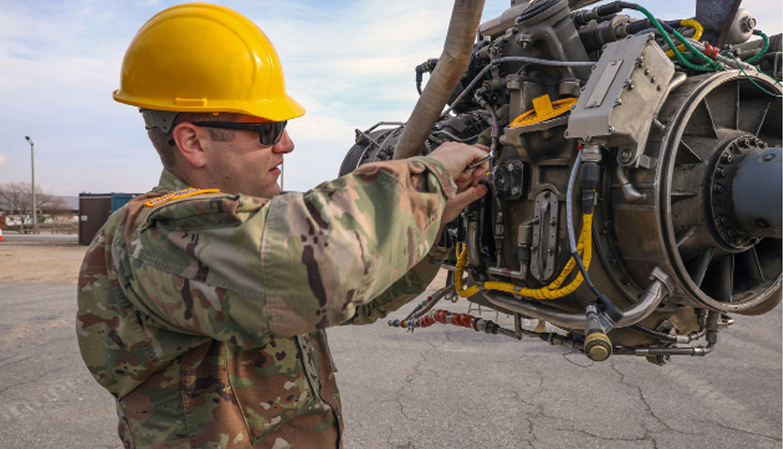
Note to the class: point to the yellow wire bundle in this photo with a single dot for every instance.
(551, 291)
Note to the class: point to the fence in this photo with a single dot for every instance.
(57, 227)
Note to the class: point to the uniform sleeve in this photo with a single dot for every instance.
(404, 290)
(239, 268)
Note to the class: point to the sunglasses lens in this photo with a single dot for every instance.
(271, 133)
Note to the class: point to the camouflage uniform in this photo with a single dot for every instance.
(204, 315)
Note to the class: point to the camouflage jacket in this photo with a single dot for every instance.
(204, 314)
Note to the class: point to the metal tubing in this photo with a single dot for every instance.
(497, 26)
(474, 255)
(636, 312)
(630, 192)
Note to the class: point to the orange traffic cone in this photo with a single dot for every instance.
(1, 234)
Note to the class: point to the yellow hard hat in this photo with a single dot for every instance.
(199, 57)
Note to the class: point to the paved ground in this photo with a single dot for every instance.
(440, 387)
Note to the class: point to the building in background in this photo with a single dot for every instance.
(94, 210)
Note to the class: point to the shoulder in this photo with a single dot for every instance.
(193, 209)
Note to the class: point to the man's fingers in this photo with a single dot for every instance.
(461, 200)
(470, 195)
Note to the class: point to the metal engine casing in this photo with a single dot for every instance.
(669, 140)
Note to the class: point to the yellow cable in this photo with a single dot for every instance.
(692, 24)
(551, 291)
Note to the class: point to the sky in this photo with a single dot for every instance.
(349, 63)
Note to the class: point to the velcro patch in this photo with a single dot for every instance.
(177, 195)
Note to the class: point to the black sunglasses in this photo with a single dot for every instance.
(269, 133)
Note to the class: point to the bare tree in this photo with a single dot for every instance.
(16, 201)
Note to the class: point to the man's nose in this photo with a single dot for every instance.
(285, 145)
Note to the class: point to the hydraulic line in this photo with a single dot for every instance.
(709, 65)
(696, 36)
(458, 319)
(763, 49)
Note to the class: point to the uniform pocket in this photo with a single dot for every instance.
(270, 384)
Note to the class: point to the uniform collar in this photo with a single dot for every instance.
(171, 182)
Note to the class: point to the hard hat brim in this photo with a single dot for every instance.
(275, 109)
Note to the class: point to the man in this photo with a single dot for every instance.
(202, 304)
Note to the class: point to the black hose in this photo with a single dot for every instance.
(425, 67)
(608, 307)
(536, 9)
(659, 335)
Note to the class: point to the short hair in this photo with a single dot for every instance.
(162, 140)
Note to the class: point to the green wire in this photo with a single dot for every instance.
(711, 64)
(751, 79)
(763, 50)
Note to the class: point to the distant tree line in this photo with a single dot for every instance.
(16, 202)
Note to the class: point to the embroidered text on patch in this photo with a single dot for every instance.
(177, 195)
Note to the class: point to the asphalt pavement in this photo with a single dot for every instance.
(441, 387)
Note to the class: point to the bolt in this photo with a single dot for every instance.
(625, 155)
(720, 172)
(717, 188)
(659, 88)
(745, 143)
(534, 249)
(610, 129)
(510, 166)
(550, 251)
(646, 71)
(767, 157)
(652, 80)
(630, 86)
(726, 158)
(514, 190)
(553, 222)
(722, 220)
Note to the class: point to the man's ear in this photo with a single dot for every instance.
(192, 143)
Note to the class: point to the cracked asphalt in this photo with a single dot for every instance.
(440, 387)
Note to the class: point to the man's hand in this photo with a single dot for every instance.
(456, 157)
(460, 201)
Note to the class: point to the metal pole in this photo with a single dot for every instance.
(32, 159)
